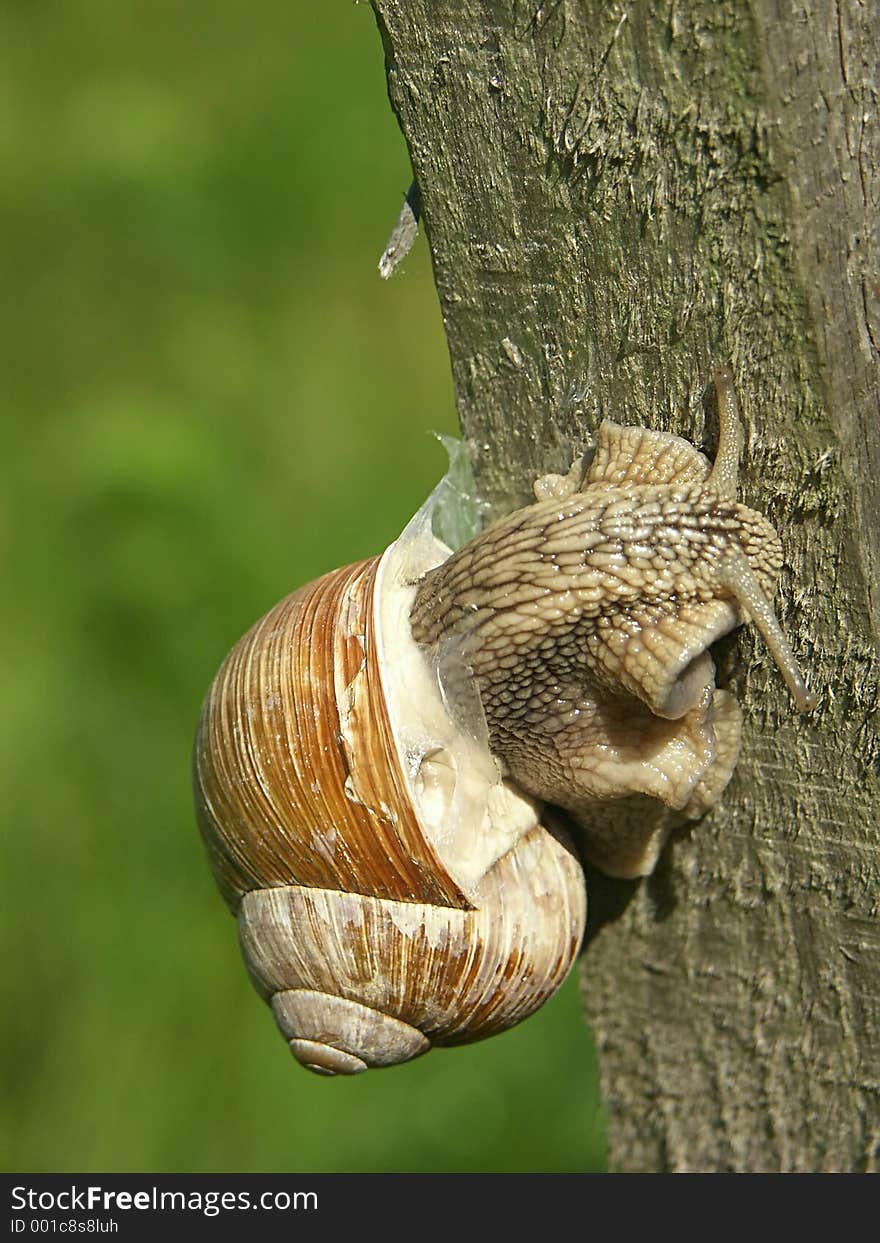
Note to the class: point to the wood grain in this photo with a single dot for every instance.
(617, 196)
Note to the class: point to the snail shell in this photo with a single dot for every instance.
(392, 891)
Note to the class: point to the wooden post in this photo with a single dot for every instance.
(617, 196)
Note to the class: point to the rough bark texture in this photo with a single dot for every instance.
(616, 196)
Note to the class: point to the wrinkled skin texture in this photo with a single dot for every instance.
(584, 621)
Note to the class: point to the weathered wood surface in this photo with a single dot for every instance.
(616, 196)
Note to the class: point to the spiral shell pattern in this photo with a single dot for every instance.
(372, 932)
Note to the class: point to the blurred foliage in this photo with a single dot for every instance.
(208, 397)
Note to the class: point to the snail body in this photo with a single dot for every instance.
(373, 758)
(586, 621)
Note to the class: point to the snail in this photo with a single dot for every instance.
(375, 757)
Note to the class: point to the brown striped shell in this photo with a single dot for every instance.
(392, 891)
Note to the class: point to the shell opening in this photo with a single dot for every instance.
(453, 778)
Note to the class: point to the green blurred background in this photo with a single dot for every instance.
(208, 397)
